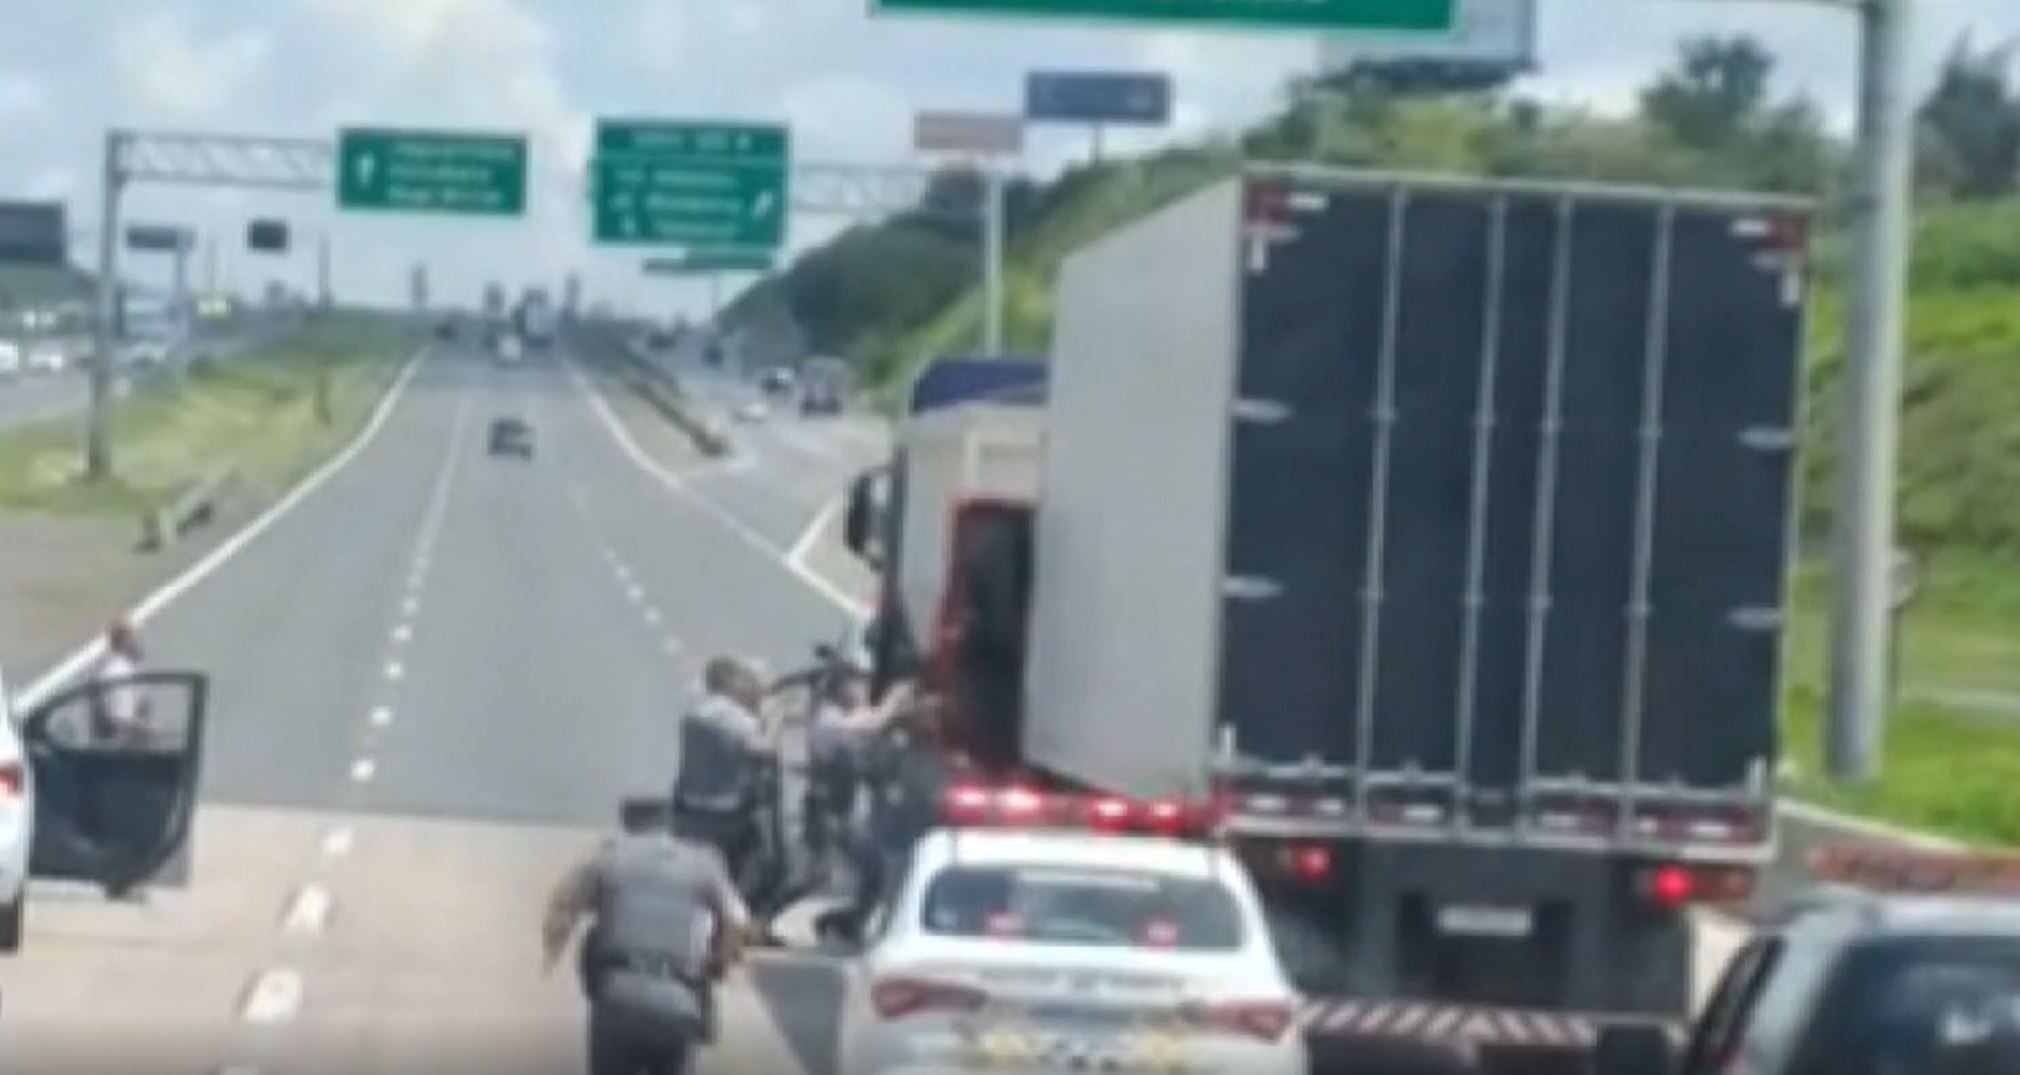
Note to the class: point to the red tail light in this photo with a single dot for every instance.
(1110, 814)
(13, 779)
(1672, 886)
(897, 998)
(1264, 1020)
(1312, 863)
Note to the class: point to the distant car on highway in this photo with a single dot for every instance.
(511, 436)
(755, 410)
(46, 356)
(145, 351)
(777, 381)
(10, 358)
(17, 824)
(1027, 949)
(510, 350)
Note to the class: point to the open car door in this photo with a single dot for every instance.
(115, 768)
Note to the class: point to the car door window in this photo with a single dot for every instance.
(117, 768)
(1921, 1006)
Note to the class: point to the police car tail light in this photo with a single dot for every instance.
(1264, 1020)
(979, 805)
(1917, 871)
(899, 997)
(13, 779)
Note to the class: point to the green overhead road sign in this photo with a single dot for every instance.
(1406, 16)
(743, 259)
(689, 184)
(431, 171)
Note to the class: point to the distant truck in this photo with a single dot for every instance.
(1435, 533)
(538, 321)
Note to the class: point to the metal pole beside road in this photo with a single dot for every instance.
(1864, 525)
(97, 425)
(993, 193)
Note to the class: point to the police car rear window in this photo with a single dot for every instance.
(1928, 1006)
(1100, 908)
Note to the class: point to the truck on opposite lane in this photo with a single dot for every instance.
(1436, 531)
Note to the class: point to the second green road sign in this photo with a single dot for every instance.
(690, 184)
(431, 171)
(1338, 16)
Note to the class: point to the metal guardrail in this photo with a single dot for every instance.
(662, 390)
(189, 510)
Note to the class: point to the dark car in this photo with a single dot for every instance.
(445, 329)
(512, 436)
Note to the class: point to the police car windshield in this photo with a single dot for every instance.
(1939, 1006)
(1104, 908)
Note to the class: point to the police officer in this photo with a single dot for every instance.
(724, 753)
(666, 924)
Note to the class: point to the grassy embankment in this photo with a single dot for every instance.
(272, 413)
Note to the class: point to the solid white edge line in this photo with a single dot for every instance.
(639, 457)
(69, 667)
(812, 534)
(274, 996)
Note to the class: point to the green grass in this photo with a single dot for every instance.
(257, 412)
(1947, 769)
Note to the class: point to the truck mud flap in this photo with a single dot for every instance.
(1412, 1035)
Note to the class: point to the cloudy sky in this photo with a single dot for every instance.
(847, 83)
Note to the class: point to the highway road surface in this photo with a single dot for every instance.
(434, 678)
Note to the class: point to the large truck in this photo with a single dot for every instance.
(1436, 532)
(538, 320)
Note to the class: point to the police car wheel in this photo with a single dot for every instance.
(13, 918)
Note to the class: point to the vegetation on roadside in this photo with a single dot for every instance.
(272, 413)
(1710, 119)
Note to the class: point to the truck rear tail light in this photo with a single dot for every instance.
(899, 997)
(1673, 886)
(13, 779)
(1263, 1020)
(1312, 863)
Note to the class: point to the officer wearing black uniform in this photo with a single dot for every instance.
(667, 923)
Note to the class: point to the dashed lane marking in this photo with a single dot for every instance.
(308, 912)
(363, 770)
(274, 996)
(395, 670)
(381, 716)
(337, 842)
(402, 633)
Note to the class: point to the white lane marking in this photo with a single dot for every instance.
(363, 770)
(635, 592)
(438, 497)
(402, 633)
(275, 996)
(797, 557)
(308, 912)
(64, 670)
(382, 715)
(410, 606)
(395, 670)
(337, 842)
(734, 525)
(673, 645)
(652, 616)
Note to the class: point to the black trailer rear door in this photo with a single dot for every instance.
(1436, 384)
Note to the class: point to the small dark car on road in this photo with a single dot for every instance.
(512, 436)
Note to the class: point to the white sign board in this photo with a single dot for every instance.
(1495, 33)
(988, 133)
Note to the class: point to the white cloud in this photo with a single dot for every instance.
(20, 95)
(168, 69)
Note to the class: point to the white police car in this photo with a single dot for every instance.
(1049, 933)
(1914, 971)
(77, 808)
(17, 824)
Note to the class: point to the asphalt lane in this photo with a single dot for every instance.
(433, 681)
